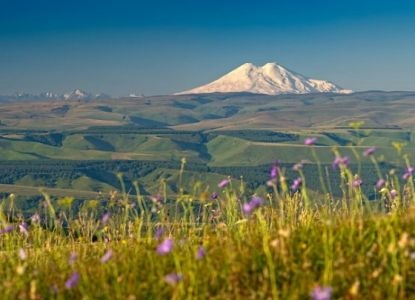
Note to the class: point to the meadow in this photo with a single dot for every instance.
(221, 241)
(268, 203)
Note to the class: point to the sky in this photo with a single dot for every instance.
(161, 47)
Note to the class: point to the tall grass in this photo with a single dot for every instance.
(223, 245)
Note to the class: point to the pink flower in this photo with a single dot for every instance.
(370, 151)
(310, 141)
(107, 256)
(223, 183)
(173, 278)
(165, 247)
(321, 293)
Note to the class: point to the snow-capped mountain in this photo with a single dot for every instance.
(77, 95)
(270, 79)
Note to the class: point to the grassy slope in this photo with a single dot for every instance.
(350, 246)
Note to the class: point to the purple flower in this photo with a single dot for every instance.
(158, 233)
(310, 141)
(72, 258)
(72, 281)
(357, 181)
(256, 201)
(107, 256)
(369, 151)
(274, 171)
(296, 184)
(247, 208)
(223, 183)
(105, 218)
(7, 229)
(321, 293)
(393, 193)
(214, 196)
(201, 252)
(250, 206)
(23, 228)
(165, 247)
(173, 278)
(380, 183)
(340, 162)
(408, 173)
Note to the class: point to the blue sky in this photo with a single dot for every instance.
(159, 47)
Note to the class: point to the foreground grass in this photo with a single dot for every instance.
(275, 253)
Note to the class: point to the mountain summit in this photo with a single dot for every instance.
(270, 79)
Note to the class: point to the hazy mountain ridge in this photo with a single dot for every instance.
(76, 94)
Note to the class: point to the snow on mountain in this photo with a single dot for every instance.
(270, 79)
(78, 95)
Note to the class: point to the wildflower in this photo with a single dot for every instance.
(369, 151)
(296, 184)
(274, 171)
(408, 173)
(257, 201)
(393, 193)
(158, 233)
(380, 183)
(310, 141)
(201, 252)
(165, 247)
(7, 229)
(298, 166)
(340, 162)
(223, 183)
(105, 218)
(35, 218)
(250, 206)
(72, 281)
(321, 293)
(107, 256)
(357, 181)
(23, 228)
(22, 254)
(272, 182)
(157, 199)
(72, 258)
(173, 278)
(247, 208)
(214, 196)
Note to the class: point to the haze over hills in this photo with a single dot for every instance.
(76, 94)
(270, 79)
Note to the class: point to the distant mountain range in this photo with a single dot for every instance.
(269, 79)
(76, 94)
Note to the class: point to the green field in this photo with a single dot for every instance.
(218, 135)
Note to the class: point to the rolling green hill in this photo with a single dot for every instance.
(83, 144)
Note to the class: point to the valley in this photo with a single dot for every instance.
(81, 145)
